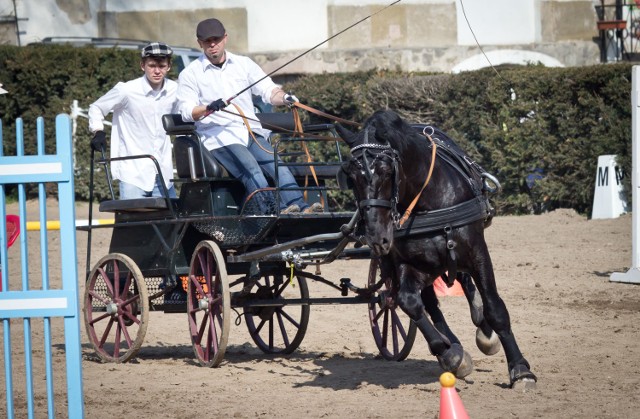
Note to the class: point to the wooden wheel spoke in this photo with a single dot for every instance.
(283, 330)
(125, 331)
(98, 297)
(281, 313)
(385, 327)
(105, 335)
(202, 329)
(131, 316)
(398, 325)
(97, 319)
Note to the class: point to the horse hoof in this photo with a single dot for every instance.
(524, 385)
(488, 345)
(466, 366)
(522, 379)
(457, 361)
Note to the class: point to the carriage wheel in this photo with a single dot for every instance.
(278, 328)
(116, 313)
(393, 330)
(208, 304)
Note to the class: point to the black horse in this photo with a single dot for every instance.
(390, 163)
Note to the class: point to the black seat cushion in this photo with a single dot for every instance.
(201, 156)
(174, 125)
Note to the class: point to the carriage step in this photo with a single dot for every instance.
(134, 205)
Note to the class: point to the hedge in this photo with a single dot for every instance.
(552, 123)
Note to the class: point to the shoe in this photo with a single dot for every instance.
(313, 208)
(290, 209)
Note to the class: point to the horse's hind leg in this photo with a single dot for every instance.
(496, 314)
(486, 339)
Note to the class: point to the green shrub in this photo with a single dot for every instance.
(559, 122)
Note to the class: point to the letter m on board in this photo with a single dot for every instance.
(603, 176)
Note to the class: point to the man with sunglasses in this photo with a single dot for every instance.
(243, 151)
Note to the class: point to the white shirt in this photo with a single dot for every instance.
(137, 129)
(202, 82)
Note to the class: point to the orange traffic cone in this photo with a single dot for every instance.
(450, 404)
(442, 290)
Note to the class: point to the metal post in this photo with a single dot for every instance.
(633, 274)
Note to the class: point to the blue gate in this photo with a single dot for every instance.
(36, 307)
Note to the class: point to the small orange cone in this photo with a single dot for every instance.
(450, 404)
(442, 290)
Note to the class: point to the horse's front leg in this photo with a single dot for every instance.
(432, 307)
(486, 339)
(451, 355)
(496, 314)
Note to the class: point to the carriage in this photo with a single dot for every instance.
(207, 253)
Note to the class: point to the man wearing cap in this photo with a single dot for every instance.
(219, 74)
(138, 106)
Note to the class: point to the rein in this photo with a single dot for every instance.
(407, 213)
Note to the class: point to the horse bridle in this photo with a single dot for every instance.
(385, 153)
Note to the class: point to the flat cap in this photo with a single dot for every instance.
(156, 49)
(210, 28)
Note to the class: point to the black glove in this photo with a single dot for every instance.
(216, 105)
(99, 141)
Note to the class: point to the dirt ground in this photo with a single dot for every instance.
(579, 331)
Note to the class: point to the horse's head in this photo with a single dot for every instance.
(373, 173)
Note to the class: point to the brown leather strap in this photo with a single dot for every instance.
(299, 131)
(407, 213)
(246, 124)
(283, 130)
(326, 115)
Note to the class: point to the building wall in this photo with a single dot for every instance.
(413, 35)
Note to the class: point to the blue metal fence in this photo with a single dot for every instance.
(32, 300)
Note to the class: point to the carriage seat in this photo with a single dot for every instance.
(134, 205)
(327, 171)
(187, 138)
(277, 122)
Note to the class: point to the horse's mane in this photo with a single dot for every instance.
(389, 127)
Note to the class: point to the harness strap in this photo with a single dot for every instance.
(299, 131)
(407, 213)
(326, 115)
(431, 222)
(246, 124)
(375, 203)
(452, 263)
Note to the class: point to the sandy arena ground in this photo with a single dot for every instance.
(579, 331)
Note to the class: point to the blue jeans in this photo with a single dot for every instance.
(128, 191)
(248, 164)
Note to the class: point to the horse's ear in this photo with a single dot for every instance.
(348, 136)
(342, 177)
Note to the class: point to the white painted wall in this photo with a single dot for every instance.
(497, 22)
(284, 25)
(304, 23)
(46, 19)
